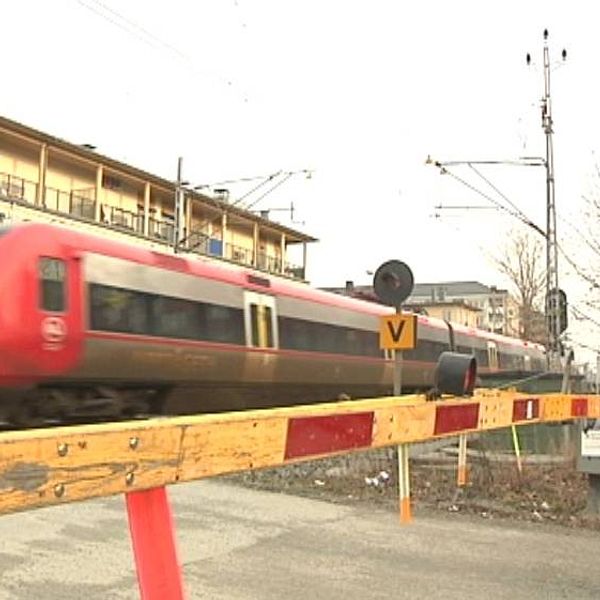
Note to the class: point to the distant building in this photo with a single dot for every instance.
(499, 311)
(454, 311)
(47, 179)
(466, 302)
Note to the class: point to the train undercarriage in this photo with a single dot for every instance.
(94, 402)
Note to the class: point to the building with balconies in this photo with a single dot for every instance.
(46, 179)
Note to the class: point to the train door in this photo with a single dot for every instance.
(59, 309)
(260, 323)
(260, 320)
(492, 356)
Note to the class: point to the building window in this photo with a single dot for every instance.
(111, 183)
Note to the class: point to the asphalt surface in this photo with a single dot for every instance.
(240, 544)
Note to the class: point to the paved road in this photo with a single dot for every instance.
(239, 544)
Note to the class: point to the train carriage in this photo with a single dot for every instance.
(90, 327)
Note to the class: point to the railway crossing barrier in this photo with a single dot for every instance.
(45, 467)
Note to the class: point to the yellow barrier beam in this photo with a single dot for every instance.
(49, 466)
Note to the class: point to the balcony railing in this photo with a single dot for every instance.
(83, 207)
(161, 229)
(238, 254)
(81, 203)
(122, 219)
(267, 262)
(70, 203)
(17, 188)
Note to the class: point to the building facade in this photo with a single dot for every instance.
(468, 303)
(499, 311)
(46, 179)
(453, 311)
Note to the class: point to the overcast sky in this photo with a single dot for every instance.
(359, 92)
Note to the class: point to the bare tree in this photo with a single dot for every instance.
(522, 261)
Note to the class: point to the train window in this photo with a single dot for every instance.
(260, 320)
(426, 351)
(221, 323)
(261, 325)
(481, 356)
(492, 355)
(298, 334)
(268, 326)
(254, 335)
(52, 284)
(172, 317)
(129, 311)
(115, 309)
(464, 350)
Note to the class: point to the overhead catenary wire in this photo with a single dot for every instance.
(582, 315)
(145, 36)
(581, 236)
(517, 215)
(133, 26)
(279, 183)
(502, 195)
(255, 188)
(525, 220)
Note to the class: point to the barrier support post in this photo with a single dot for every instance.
(462, 476)
(404, 484)
(517, 448)
(153, 541)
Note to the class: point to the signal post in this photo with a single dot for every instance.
(393, 283)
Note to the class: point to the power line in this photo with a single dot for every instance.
(279, 183)
(516, 214)
(147, 37)
(581, 315)
(255, 188)
(506, 199)
(137, 27)
(582, 236)
(523, 218)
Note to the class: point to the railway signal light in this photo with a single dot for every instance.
(455, 374)
(556, 308)
(393, 282)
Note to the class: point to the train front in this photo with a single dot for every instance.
(40, 312)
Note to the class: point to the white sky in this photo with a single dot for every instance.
(358, 91)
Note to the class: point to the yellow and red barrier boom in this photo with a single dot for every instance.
(41, 467)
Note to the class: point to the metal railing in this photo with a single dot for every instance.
(57, 200)
(83, 206)
(161, 229)
(268, 262)
(198, 241)
(17, 188)
(120, 218)
(238, 254)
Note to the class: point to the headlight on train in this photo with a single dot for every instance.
(455, 374)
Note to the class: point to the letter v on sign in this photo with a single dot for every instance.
(398, 332)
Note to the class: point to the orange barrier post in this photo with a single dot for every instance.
(462, 460)
(404, 484)
(153, 540)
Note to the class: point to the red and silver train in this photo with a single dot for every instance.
(94, 328)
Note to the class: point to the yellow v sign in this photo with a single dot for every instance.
(398, 332)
